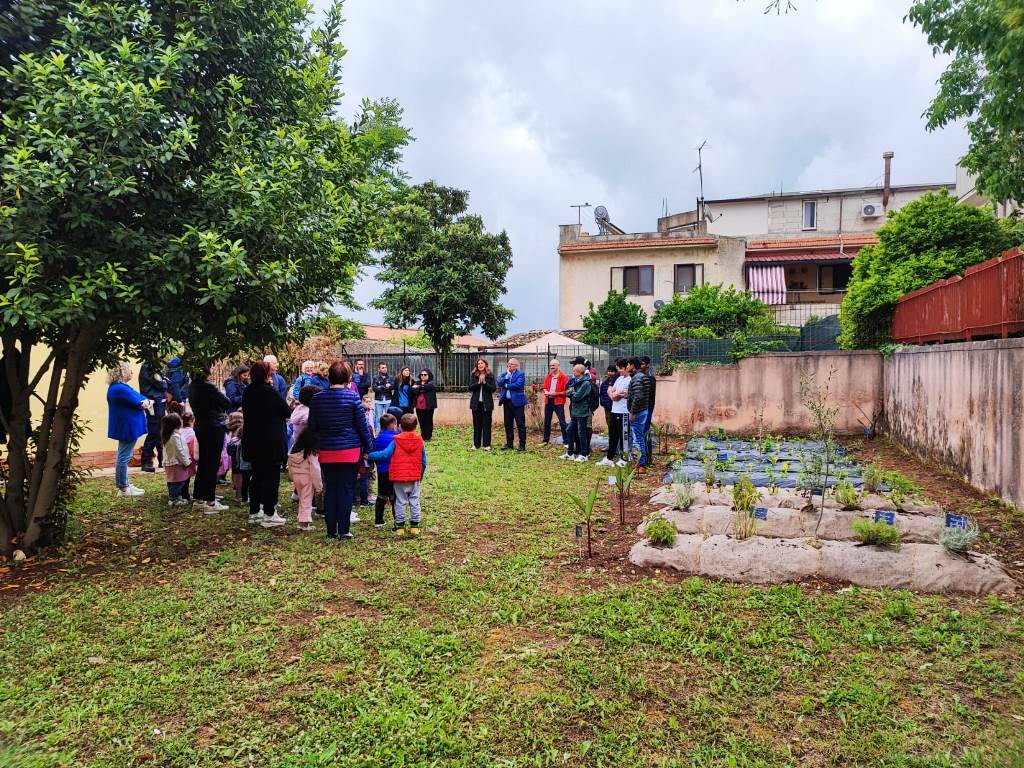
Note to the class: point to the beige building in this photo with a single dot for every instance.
(649, 266)
(794, 251)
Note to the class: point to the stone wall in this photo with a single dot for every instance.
(963, 406)
(737, 397)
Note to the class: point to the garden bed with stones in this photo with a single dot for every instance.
(784, 547)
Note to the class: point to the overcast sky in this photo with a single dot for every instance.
(533, 106)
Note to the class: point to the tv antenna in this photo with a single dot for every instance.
(579, 211)
(700, 167)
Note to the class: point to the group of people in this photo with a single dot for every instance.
(626, 394)
(324, 431)
(336, 427)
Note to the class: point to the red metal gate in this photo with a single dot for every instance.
(988, 301)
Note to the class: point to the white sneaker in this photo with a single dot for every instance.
(581, 459)
(355, 517)
(131, 490)
(258, 518)
(606, 462)
(487, 447)
(566, 455)
(273, 521)
(472, 448)
(176, 503)
(620, 463)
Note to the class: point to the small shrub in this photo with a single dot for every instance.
(879, 534)
(958, 540)
(660, 532)
(685, 494)
(709, 470)
(744, 497)
(847, 496)
(873, 477)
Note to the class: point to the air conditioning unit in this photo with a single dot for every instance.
(870, 210)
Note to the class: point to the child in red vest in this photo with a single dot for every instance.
(408, 463)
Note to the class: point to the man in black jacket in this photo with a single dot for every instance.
(645, 366)
(383, 389)
(638, 401)
(153, 386)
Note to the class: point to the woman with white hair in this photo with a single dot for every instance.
(307, 377)
(126, 423)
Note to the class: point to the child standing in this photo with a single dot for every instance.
(240, 468)
(188, 434)
(176, 458)
(385, 488)
(408, 464)
(304, 470)
(367, 466)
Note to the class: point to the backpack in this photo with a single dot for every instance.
(595, 397)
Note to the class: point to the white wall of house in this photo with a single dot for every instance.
(783, 217)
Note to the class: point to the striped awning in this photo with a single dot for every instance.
(768, 284)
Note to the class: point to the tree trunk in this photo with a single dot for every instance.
(78, 364)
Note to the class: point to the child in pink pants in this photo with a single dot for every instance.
(304, 470)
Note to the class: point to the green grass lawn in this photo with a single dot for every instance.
(175, 640)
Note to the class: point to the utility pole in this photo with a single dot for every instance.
(700, 171)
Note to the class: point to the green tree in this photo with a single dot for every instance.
(169, 174)
(445, 273)
(724, 311)
(614, 319)
(929, 239)
(982, 84)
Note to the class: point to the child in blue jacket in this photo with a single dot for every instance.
(385, 488)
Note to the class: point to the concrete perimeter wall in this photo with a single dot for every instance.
(737, 397)
(963, 406)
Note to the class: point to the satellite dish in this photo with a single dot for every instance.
(659, 304)
(601, 214)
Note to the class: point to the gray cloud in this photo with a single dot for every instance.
(535, 106)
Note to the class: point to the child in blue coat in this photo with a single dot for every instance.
(385, 488)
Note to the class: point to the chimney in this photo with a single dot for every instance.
(887, 156)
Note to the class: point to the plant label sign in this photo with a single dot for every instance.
(723, 456)
(885, 517)
(956, 521)
(760, 513)
(611, 479)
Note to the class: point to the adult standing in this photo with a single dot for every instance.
(424, 400)
(555, 384)
(126, 423)
(638, 402)
(618, 392)
(235, 387)
(265, 414)
(652, 380)
(403, 390)
(337, 416)
(320, 377)
(612, 420)
(481, 403)
(153, 386)
(276, 379)
(361, 378)
(210, 407)
(177, 380)
(513, 400)
(579, 392)
(306, 376)
(383, 390)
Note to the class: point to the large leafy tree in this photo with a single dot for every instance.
(614, 319)
(929, 239)
(981, 85)
(443, 270)
(169, 173)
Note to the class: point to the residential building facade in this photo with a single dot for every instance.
(793, 250)
(650, 266)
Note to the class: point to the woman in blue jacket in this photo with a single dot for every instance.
(512, 385)
(338, 418)
(126, 423)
